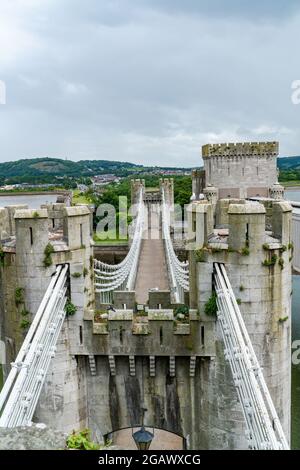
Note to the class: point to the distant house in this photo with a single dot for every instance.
(101, 180)
(82, 187)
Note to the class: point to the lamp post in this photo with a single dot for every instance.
(142, 437)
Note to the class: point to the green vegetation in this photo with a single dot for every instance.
(70, 308)
(82, 198)
(19, 296)
(66, 172)
(24, 312)
(200, 255)
(81, 440)
(76, 275)
(211, 306)
(281, 263)
(49, 250)
(271, 261)
(182, 313)
(245, 251)
(289, 169)
(36, 215)
(85, 272)
(25, 324)
(239, 301)
(283, 319)
(242, 288)
(109, 237)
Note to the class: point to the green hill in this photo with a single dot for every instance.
(59, 167)
(52, 170)
(288, 163)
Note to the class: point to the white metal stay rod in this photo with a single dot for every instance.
(261, 423)
(261, 378)
(233, 353)
(24, 348)
(15, 392)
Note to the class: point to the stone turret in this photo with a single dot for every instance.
(277, 191)
(198, 183)
(42, 239)
(136, 186)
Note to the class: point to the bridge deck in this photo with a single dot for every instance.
(152, 269)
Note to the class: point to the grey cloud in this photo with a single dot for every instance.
(150, 81)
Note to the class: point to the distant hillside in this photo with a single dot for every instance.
(59, 167)
(288, 163)
(45, 170)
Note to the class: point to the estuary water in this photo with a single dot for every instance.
(33, 201)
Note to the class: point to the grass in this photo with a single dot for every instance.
(111, 238)
(80, 198)
(290, 184)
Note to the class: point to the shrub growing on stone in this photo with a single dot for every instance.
(211, 307)
(81, 440)
(70, 308)
(49, 250)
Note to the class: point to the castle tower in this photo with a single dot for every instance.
(241, 170)
(259, 268)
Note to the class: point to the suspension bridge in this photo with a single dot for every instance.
(150, 263)
(151, 256)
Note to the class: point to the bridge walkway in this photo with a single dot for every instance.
(152, 269)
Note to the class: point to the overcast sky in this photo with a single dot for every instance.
(146, 81)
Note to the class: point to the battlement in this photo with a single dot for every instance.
(157, 332)
(241, 149)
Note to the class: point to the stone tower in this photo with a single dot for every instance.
(253, 240)
(241, 169)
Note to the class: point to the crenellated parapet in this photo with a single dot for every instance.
(241, 149)
(153, 332)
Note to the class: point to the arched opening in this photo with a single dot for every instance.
(163, 440)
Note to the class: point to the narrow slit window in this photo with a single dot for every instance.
(81, 235)
(247, 234)
(202, 335)
(161, 335)
(31, 235)
(80, 334)
(121, 334)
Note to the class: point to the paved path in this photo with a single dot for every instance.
(152, 269)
